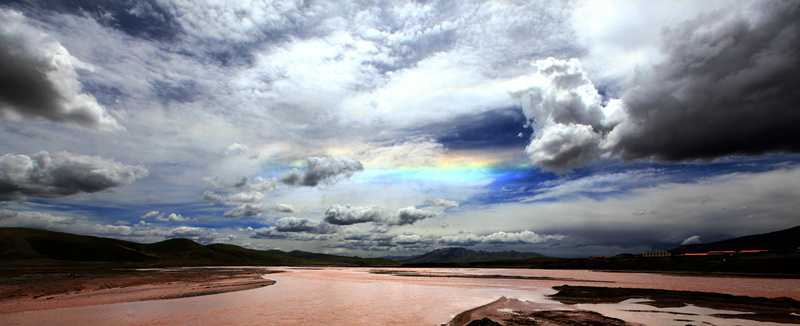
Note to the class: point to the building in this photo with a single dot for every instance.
(657, 253)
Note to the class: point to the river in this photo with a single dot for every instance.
(354, 296)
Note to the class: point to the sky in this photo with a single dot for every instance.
(390, 128)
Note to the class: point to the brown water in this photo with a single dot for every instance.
(353, 296)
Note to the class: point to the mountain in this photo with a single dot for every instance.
(34, 246)
(784, 241)
(463, 255)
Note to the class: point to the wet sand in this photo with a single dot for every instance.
(29, 292)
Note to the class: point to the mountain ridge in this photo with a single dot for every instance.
(782, 241)
(464, 255)
(37, 246)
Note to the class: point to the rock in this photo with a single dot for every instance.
(484, 322)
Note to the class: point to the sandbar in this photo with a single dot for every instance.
(44, 291)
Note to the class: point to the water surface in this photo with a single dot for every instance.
(353, 296)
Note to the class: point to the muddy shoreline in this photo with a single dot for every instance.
(54, 290)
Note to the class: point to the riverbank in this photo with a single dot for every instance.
(54, 290)
(511, 312)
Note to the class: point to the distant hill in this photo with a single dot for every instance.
(36, 246)
(463, 255)
(784, 241)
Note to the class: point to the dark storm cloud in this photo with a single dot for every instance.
(139, 18)
(61, 174)
(729, 85)
(23, 82)
(38, 78)
(726, 85)
(322, 170)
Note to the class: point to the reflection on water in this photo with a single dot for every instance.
(353, 296)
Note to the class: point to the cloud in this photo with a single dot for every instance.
(242, 183)
(255, 209)
(158, 216)
(39, 220)
(597, 185)
(245, 197)
(274, 233)
(461, 240)
(268, 233)
(184, 91)
(246, 210)
(150, 214)
(725, 86)
(348, 215)
(321, 170)
(236, 149)
(39, 78)
(296, 224)
(283, 208)
(61, 174)
(439, 202)
(498, 238)
(728, 85)
(704, 205)
(518, 238)
(212, 196)
(47, 221)
(173, 218)
(249, 203)
(567, 114)
(411, 214)
(695, 239)
(249, 199)
(410, 239)
(417, 151)
(295, 228)
(199, 234)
